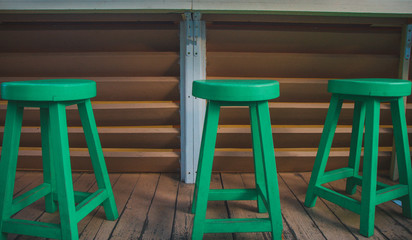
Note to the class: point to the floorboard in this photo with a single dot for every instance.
(157, 206)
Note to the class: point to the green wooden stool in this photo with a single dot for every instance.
(254, 94)
(367, 95)
(52, 97)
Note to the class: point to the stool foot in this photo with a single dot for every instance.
(257, 156)
(402, 152)
(96, 155)
(64, 185)
(356, 145)
(324, 149)
(48, 169)
(206, 161)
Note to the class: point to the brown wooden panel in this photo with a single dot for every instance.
(89, 64)
(297, 65)
(88, 17)
(288, 160)
(127, 88)
(113, 114)
(88, 37)
(303, 19)
(302, 39)
(117, 160)
(296, 114)
(293, 136)
(111, 137)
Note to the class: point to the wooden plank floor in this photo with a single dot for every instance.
(156, 206)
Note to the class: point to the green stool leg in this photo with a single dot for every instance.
(324, 149)
(61, 155)
(269, 164)
(403, 154)
(257, 156)
(8, 163)
(96, 155)
(199, 169)
(48, 170)
(370, 168)
(356, 145)
(206, 161)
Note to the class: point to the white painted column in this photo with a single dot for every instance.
(192, 67)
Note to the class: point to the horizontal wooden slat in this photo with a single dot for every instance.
(288, 160)
(228, 160)
(89, 37)
(117, 160)
(291, 18)
(86, 64)
(82, 17)
(302, 39)
(113, 114)
(127, 88)
(299, 65)
(294, 136)
(111, 137)
(296, 114)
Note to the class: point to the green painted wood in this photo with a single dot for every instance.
(205, 168)
(48, 170)
(336, 174)
(368, 95)
(356, 145)
(370, 168)
(232, 194)
(382, 87)
(199, 164)
(252, 93)
(257, 156)
(324, 149)
(38, 229)
(8, 163)
(390, 193)
(236, 90)
(358, 181)
(339, 199)
(52, 97)
(30, 197)
(269, 166)
(96, 155)
(402, 152)
(64, 186)
(238, 225)
(48, 90)
(90, 203)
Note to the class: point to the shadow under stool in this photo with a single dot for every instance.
(367, 94)
(52, 97)
(255, 95)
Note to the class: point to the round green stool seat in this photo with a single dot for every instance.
(378, 87)
(236, 90)
(49, 90)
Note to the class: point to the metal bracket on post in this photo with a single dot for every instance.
(192, 67)
(408, 42)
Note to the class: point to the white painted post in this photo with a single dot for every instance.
(192, 67)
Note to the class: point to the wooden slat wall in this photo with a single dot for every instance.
(302, 55)
(134, 61)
